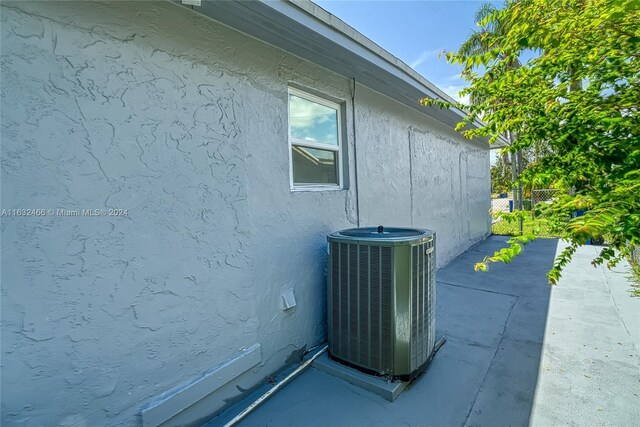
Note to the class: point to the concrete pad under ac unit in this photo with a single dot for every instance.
(387, 390)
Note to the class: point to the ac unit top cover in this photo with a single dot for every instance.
(382, 235)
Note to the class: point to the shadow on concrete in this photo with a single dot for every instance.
(486, 374)
(500, 316)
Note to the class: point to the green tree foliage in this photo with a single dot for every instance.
(575, 103)
(479, 43)
(500, 176)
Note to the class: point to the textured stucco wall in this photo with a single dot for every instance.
(415, 171)
(152, 108)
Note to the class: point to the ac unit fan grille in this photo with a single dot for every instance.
(388, 233)
(360, 311)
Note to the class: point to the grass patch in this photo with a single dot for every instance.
(635, 277)
(504, 228)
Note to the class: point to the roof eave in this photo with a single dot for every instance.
(310, 32)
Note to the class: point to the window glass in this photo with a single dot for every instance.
(313, 122)
(314, 166)
(315, 142)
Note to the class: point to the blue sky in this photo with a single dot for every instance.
(414, 31)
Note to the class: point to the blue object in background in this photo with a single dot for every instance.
(510, 205)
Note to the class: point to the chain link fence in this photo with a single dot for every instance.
(503, 228)
(506, 204)
(635, 254)
(545, 195)
(501, 204)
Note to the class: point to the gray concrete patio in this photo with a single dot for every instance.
(518, 352)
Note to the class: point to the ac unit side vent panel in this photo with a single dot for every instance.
(422, 297)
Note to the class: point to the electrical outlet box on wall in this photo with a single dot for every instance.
(288, 299)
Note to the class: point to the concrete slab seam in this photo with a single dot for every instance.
(478, 289)
(493, 358)
(615, 305)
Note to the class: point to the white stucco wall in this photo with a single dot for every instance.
(152, 108)
(415, 171)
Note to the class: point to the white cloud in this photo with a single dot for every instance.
(454, 92)
(424, 55)
(312, 121)
(454, 77)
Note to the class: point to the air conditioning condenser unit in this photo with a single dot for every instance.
(381, 300)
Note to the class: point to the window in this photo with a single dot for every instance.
(315, 137)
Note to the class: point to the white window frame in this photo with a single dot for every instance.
(310, 144)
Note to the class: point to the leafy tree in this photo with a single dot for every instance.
(481, 42)
(577, 101)
(500, 176)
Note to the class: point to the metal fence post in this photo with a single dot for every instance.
(519, 157)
